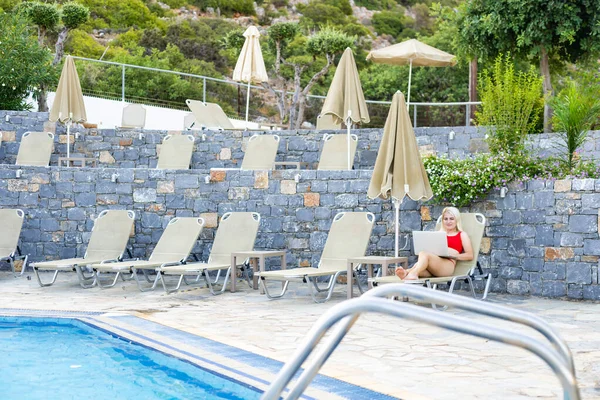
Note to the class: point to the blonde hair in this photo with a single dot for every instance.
(454, 212)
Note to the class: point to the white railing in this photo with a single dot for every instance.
(123, 96)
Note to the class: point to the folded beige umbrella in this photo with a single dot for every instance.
(68, 105)
(345, 100)
(250, 66)
(412, 52)
(399, 169)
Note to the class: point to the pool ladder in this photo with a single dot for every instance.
(556, 354)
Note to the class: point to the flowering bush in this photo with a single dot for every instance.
(460, 182)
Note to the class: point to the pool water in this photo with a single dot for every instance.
(51, 358)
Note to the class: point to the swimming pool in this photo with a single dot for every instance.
(55, 358)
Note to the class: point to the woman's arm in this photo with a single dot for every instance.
(467, 255)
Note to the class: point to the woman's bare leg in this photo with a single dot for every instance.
(429, 265)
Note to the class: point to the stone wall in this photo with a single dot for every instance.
(223, 149)
(541, 239)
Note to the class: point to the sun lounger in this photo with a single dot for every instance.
(189, 122)
(134, 116)
(473, 224)
(334, 156)
(209, 116)
(176, 152)
(11, 222)
(35, 149)
(260, 154)
(236, 232)
(173, 248)
(326, 122)
(108, 241)
(348, 238)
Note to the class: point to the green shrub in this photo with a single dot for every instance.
(575, 111)
(389, 23)
(461, 182)
(511, 103)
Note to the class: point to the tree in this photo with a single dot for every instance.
(49, 17)
(24, 65)
(295, 57)
(541, 29)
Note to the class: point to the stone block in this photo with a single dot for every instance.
(186, 181)
(62, 139)
(590, 200)
(125, 142)
(86, 199)
(261, 179)
(106, 158)
(225, 154)
(155, 208)
(578, 272)
(288, 187)
(591, 292)
(144, 195)
(8, 136)
(583, 184)
(346, 201)
(517, 287)
(17, 185)
(49, 225)
(107, 199)
(151, 220)
(210, 219)
(217, 176)
(485, 245)
(554, 289)
(544, 235)
(311, 199)
(568, 239)
(163, 187)
(583, 223)
(558, 253)
(425, 213)
(591, 247)
(305, 215)
(562, 185)
(317, 241)
(543, 199)
(238, 193)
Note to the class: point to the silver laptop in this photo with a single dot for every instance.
(434, 242)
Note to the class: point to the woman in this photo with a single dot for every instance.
(459, 247)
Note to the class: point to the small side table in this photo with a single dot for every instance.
(369, 261)
(257, 260)
(70, 161)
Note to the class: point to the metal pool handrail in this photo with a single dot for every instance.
(351, 309)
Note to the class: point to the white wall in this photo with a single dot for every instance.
(107, 114)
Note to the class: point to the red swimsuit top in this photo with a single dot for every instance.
(455, 242)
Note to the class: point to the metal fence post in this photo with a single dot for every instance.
(414, 115)
(123, 84)
(204, 90)
(468, 114)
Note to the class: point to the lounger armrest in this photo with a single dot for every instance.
(168, 264)
(112, 260)
(285, 163)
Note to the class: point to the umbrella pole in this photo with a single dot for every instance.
(397, 209)
(68, 139)
(247, 103)
(409, 77)
(348, 123)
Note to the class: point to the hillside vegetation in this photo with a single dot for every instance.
(190, 36)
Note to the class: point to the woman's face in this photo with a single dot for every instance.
(449, 221)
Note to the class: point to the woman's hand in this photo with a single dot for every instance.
(452, 252)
